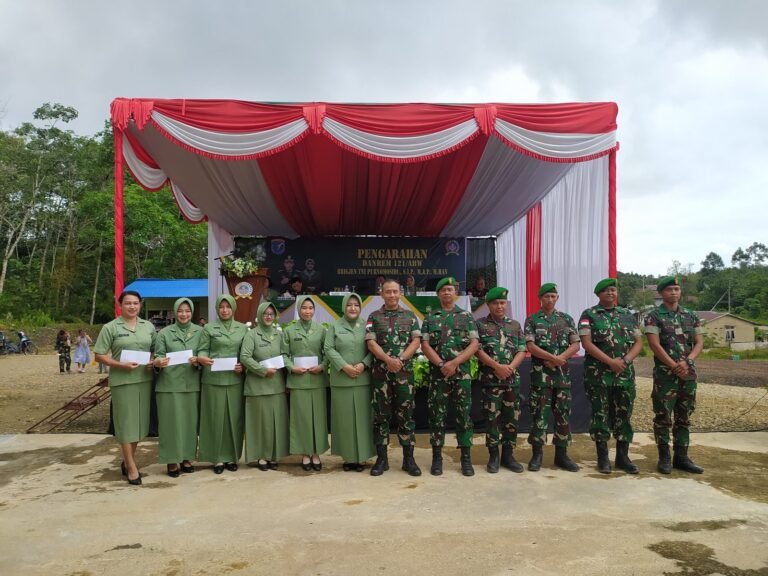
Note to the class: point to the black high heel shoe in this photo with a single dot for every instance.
(173, 472)
(272, 464)
(187, 468)
(306, 466)
(218, 468)
(231, 466)
(263, 466)
(317, 466)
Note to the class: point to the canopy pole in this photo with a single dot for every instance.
(119, 278)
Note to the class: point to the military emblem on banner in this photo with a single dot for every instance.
(452, 248)
(243, 290)
(277, 246)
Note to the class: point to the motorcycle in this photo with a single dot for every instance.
(26, 346)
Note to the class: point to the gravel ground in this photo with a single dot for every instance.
(31, 388)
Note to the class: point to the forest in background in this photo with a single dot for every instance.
(57, 236)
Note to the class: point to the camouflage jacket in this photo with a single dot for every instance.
(393, 330)
(613, 331)
(553, 334)
(676, 329)
(501, 341)
(449, 332)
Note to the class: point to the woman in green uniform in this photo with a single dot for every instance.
(266, 405)
(307, 384)
(351, 412)
(178, 391)
(129, 382)
(221, 403)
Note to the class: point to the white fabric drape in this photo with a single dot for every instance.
(556, 145)
(401, 146)
(511, 267)
(574, 245)
(192, 212)
(231, 143)
(220, 243)
(148, 177)
(505, 186)
(234, 194)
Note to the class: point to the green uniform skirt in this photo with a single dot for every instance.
(309, 422)
(221, 423)
(266, 427)
(352, 423)
(130, 411)
(177, 414)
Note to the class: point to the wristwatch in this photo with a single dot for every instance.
(440, 364)
(626, 361)
(403, 360)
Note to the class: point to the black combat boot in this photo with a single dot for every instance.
(466, 461)
(493, 459)
(437, 461)
(682, 462)
(538, 454)
(563, 461)
(603, 462)
(409, 464)
(508, 459)
(622, 458)
(665, 460)
(382, 462)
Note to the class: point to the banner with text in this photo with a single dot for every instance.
(354, 263)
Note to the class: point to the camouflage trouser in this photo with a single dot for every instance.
(550, 395)
(460, 394)
(501, 405)
(611, 412)
(65, 361)
(393, 396)
(672, 396)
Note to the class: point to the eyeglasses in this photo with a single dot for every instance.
(268, 315)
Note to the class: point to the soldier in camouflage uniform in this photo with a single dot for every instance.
(502, 350)
(393, 336)
(612, 339)
(450, 340)
(551, 339)
(674, 335)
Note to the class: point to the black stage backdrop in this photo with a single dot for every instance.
(340, 262)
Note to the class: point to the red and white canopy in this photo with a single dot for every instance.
(540, 177)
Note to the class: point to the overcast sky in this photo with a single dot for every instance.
(690, 78)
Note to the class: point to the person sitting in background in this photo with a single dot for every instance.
(410, 287)
(479, 289)
(63, 347)
(297, 286)
(311, 278)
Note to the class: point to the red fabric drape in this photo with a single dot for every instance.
(230, 115)
(322, 189)
(592, 118)
(612, 215)
(533, 258)
(400, 119)
(119, 278)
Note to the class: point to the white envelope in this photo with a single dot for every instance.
(137, 356)
(224, 364)
(275, 362)
(182, 357)
(305, 361)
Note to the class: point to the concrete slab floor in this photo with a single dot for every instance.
(64, 509)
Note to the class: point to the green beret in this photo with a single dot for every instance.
(666, 281)
(547, 288)
(448, 281)
(497, 293)
(605, 283)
